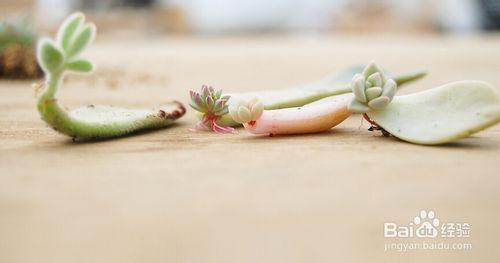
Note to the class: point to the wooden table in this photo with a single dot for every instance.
(178, 196)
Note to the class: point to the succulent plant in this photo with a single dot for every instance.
(92, 122)
(372, 90)
(213, 106)
(246, 111)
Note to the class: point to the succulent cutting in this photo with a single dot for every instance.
(213, 104)
(92, 122)
(434, 116)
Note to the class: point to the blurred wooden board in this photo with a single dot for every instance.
(178, 196)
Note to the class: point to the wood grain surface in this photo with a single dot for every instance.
(178, 196)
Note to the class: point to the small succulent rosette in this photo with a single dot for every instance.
(246, 111)
(372, 90)
(213, 105)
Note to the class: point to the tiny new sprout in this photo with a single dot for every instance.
(213, 106)
(92, 122)
(372, 90)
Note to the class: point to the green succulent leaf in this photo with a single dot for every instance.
(51, 59)
(81, 40)
(373, 92)
(358, 87)
(379, 103)
(68, 29)
(375, 79)
(371, 69)
(441, 114)
(81, 65)
(389, 89)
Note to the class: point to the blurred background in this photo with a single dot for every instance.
(262, 16)
(123, 21)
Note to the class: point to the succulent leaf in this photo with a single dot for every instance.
(379, 103)
(195, 106)
(246, 111)
(389, 89)
(375, 79)
(51, 58)
(441, 114)
(81, 65)
(81, 40)
(210, 103)
(358, 87)
(68, 29)
(244, 114)
(373, 92)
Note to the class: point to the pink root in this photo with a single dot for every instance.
(209, 123)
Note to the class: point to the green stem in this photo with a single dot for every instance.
(52, 84)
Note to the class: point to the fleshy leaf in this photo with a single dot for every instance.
(443, 114)
(379, 103)
(50, 57)
(67, 30)
(81, 41)
(389, 89)
(373, 92)
(358, 88)
(244, 114)
(375, 79)
(80, 65)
